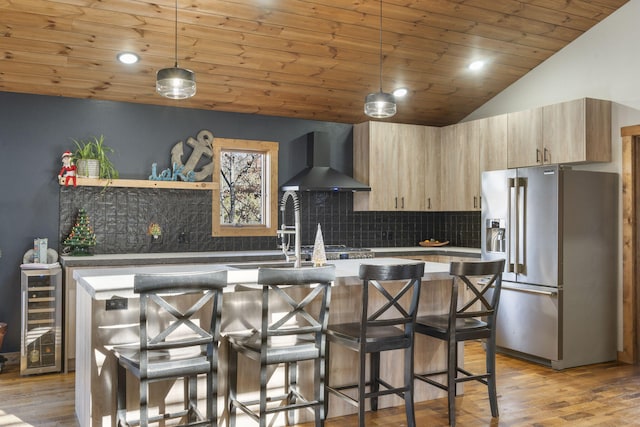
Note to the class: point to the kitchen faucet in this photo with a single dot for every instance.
(287, 230)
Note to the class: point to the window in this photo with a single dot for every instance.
(245, 201)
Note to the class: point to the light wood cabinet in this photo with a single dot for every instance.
(576, 131)
(492, 137)
(399, 162)
(468, 149)
(524, 136)
(420, 168)
(460, 167)
(431, 169)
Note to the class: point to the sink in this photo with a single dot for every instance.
(271, 264)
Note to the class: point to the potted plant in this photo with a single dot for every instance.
(92, 159)
(154, 230)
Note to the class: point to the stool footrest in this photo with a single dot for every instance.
(244, 406)
(389, 389)
(169, 416)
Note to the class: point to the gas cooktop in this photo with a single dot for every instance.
(338, 252)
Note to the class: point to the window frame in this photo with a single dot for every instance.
(270, 150)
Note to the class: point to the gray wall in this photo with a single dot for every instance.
(36, 130)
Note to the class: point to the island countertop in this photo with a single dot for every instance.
(106, 283)
(127, 259)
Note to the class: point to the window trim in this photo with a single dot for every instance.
(270, 150)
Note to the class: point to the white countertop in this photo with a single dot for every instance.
(457, 249)
(149, 256)
(105, 283)
(220, 257)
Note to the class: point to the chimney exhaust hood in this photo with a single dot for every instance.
(319, 175)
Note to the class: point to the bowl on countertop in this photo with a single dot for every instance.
(435, 243)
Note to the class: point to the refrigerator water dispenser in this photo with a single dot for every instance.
(495, 229)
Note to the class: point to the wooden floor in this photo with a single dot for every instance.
(528, 395)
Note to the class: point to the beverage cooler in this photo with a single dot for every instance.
(40, 346)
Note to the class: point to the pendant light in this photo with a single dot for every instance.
(380, 105)
(175, 82)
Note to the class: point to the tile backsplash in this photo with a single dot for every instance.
(120, 218)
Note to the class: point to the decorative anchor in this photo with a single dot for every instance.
(202, 146)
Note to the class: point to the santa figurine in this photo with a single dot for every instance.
(68, 170)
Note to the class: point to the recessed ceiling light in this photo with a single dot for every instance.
(128, 57)
(476, 65)
(400, 92)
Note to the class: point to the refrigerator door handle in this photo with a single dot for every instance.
(529, 290)
(512, 225)
(521, 226)
(516, 204)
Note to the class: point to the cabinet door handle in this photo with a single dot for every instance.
(547, 156)
(538, 155)
(403, 202)
(428, 202)
(396, 203)
(475, 202)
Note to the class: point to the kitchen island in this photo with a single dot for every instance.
(71, 264)
(98, 328)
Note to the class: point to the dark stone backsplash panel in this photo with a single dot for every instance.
(120, 218)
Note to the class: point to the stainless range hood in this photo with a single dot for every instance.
(319, 175)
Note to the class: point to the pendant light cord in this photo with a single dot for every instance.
(380, 45)
(176, 34)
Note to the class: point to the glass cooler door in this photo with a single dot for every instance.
(41, 321)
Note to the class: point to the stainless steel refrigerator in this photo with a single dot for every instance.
(557, 230)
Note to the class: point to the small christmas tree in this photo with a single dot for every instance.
(319, 256)
(82, 236)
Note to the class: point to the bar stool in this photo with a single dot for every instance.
(174, 343)
(473, 318)
(294, 316)
(389, 326)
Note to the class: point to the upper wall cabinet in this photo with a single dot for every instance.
(524, 138)
(431, 169)
(492, 136)
(399, 162)
(576, 131)
(420, 168)
(468, 149)
(460, 167)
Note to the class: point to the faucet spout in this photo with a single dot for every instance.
(286, 230)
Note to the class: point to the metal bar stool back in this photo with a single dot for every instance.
(387, 326)
(293, 322)
(475, 295)
(179, 333)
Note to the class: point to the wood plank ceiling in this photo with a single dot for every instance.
(311, 59)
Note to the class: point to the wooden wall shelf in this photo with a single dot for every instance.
(140, 183)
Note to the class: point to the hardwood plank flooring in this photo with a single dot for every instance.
(37, 400)
(528, 395)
